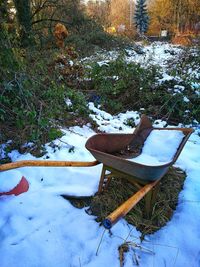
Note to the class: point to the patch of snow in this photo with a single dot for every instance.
(9, 180)
(107, 123)
(166, 77)
(159, 123)
(103, 114)
(2, 151)
(71, 63)
(196, 87)
(28, 145)
(159, 147)
(68, 102)
(155, 54)
(185, 99)
(101, 63)
(179, 87)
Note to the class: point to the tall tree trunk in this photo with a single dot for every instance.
(23, 9)
(3, 11)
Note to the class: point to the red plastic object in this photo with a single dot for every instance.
(22, 187)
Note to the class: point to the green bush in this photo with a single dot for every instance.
(79, 104)
(121, 86)
(91, 37)
(10, 58)
(187, 67)
(32, 100)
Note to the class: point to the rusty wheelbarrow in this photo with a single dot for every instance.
(106, 147)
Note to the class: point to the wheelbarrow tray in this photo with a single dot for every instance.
(103, 146)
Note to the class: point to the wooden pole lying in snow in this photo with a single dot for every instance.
(46, 163)
(122, 210)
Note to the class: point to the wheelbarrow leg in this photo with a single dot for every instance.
(150, 200)
(104, 180)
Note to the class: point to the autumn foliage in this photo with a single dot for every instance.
(60, 33)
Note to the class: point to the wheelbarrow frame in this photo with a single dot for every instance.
(146, 178)
(103, 146)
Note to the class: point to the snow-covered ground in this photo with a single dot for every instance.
(156, 53)
(40, 228)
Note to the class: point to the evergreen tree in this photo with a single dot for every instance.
(141, 17)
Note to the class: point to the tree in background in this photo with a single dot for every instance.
(99, 11)
(37, 18)
(23, 9)
(119, 13)
(141, 17)
(176, 16)
(161, 13)
(186, 14)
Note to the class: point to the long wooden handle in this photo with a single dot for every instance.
(122, 210)
(46, 163)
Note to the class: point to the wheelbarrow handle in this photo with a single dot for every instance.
(46, 163)
(122, 210)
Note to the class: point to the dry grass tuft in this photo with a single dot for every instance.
(120, 190)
